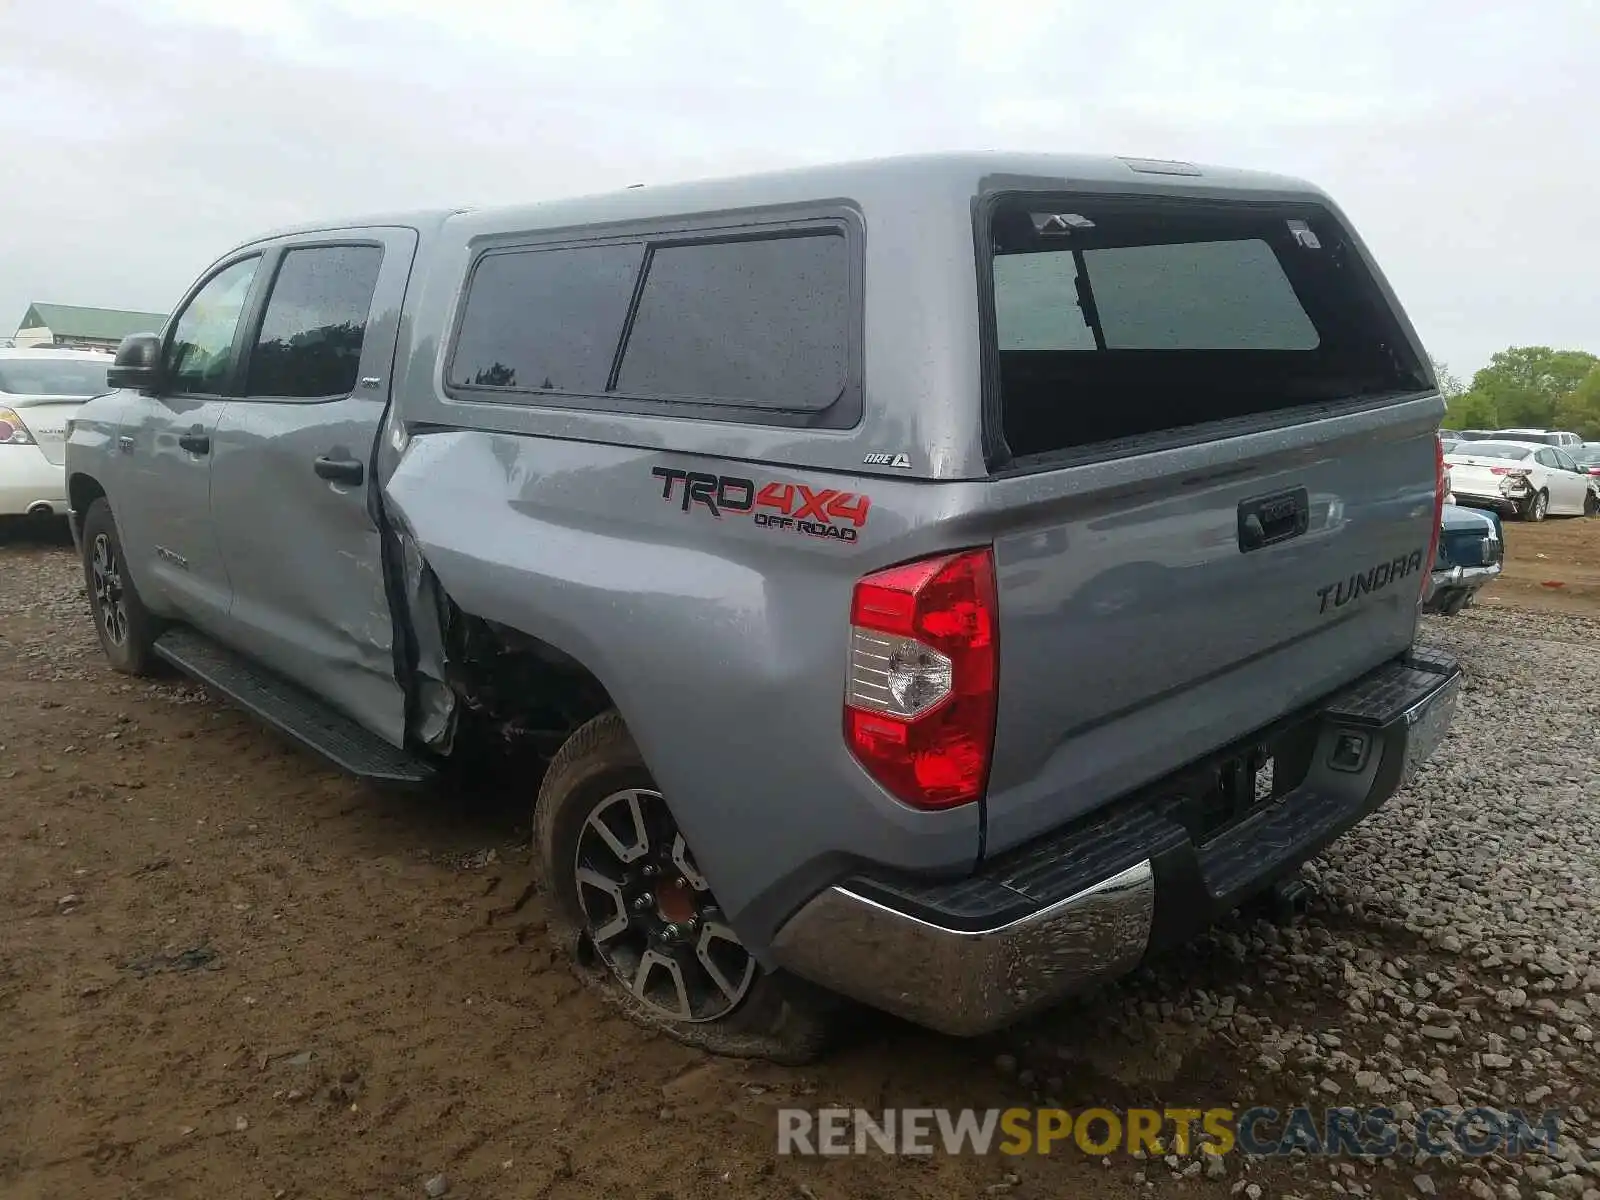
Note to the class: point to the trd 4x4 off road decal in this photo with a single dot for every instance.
(816, 512)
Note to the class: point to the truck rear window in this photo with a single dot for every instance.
(1116, 318)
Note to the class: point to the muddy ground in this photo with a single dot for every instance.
(1554, 565)
(228, 971)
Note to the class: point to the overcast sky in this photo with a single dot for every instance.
(143, 139)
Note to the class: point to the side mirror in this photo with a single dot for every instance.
(138, 363)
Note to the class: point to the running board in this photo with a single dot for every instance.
(291, 710)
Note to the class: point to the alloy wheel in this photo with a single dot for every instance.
(650, 914)
(108, 602)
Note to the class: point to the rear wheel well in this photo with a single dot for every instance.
(517, 689)
(82, 491)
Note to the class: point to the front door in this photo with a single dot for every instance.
(163, 508)
(293, 468)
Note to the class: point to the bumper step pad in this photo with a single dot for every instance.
(1083, 905)
(1210, 877)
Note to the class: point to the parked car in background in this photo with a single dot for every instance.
(39, 391)
(1547, 437)
(1473, 435)
(1471, 554)
(1527, 479)
(1587, 456)
(1446, 445)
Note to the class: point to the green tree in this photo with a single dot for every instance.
(1579, 410)
(1471, 410)
(1526, 385)
(1449, 383)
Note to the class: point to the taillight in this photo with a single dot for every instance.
(1508, 470)
(1441, 490)
(919, 706)
(12, 431)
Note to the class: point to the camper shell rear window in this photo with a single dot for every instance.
(1120, 317)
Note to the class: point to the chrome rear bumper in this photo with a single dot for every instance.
(967, 982)
(1085, 905)
(1451, 588)
(1465, 576)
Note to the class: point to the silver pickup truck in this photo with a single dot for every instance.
(939, 582)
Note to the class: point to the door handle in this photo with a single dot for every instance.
(1266, 520)
(195, 443)
(340, 470)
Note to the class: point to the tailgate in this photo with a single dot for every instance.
(1142, 626)
(1221, 490)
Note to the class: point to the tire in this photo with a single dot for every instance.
(126, 630)
(599, 774)
(1591, 504)
(1537, 507)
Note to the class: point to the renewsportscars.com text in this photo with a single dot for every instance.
(1259, 1131)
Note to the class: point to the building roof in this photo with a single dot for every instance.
(72, 320)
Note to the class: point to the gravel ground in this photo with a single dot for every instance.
(376, 1016)
(1451, 957)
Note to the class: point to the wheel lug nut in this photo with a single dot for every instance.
(680, 881)
(643, 902)
(648, 869)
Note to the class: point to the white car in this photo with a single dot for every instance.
(1527, 479)
(39, 391)
(1550, 437)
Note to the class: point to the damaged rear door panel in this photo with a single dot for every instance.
(293, 462)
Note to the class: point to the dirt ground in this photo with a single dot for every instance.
(1554, 565)
(228, 971)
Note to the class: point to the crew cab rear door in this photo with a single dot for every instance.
(292, 470)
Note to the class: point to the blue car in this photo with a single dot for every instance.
(1471, 553)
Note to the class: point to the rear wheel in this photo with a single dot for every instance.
(1536, 507)
(125, 627)
(640, 921)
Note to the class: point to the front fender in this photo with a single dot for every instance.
(91, 445)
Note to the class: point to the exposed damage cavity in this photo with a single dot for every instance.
(523, 691)
(486, 680)
(431, 705)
